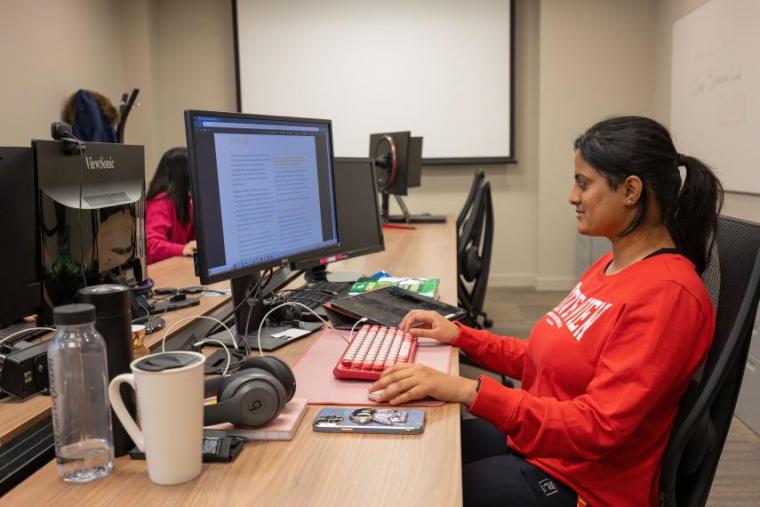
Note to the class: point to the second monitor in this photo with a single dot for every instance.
(359, 224)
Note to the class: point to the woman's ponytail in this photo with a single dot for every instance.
(693, 220)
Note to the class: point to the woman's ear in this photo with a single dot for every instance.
(632, 188)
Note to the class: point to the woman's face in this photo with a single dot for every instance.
(599, 210)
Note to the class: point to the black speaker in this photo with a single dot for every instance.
(253, 396)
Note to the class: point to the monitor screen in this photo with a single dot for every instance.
(263, 190)
(359, 222)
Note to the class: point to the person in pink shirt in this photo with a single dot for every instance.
(169, 209)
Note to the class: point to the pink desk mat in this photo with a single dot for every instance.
(316, 383)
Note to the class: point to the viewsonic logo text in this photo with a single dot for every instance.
(100, 163)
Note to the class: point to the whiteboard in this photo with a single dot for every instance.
(715, 90)
(440, 68)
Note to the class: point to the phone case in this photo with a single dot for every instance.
(338, 420)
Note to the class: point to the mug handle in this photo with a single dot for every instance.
(114, 395)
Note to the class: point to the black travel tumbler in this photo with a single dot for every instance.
(114, 323)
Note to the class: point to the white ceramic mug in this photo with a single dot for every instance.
(169, 389)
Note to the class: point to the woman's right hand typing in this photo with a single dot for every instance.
(430, 324)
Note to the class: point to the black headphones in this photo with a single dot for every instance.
(251, 397)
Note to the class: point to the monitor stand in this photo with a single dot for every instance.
(320, 274)
(406, 217)
(273, 335)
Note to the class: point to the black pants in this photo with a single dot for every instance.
(494, 475)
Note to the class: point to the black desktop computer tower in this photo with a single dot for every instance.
(20, 294)
(91, 218)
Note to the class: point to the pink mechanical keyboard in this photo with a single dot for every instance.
(372, 350)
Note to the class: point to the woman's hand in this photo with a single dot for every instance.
(429, 324)
(189, 248)
(405, 382)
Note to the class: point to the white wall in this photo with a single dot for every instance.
(576, 62)
(195, 64)
(180, 53)
(48, 50)
(596, 61)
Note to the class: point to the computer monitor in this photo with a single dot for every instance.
(398, 161)
(387, 150)
(359, 225)
(263, 194)
(91, 217)
(21, 294)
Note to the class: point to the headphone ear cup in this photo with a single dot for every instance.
(278, 368)
(251, 398)
(283, 373)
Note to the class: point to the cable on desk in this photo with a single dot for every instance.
(288, 303)
(192, 317)
(351, 333)
(229, 356)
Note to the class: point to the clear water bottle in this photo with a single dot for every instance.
(79, 390)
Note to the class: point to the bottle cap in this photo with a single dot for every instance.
(72, 315)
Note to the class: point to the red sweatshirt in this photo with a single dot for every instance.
(165, 234)
(602, 375)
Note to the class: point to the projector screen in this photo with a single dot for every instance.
(442, 69)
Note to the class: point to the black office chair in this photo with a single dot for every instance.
(475, 229)
(480, 174)
(701, 426)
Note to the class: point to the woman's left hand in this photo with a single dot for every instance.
(405, 382)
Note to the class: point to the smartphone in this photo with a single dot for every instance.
(367, 420)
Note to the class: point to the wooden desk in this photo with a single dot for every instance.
(313, 468)
(16, 416)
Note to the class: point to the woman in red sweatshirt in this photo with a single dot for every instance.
(603, 372)
(169, 209)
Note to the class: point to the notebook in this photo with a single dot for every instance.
(282, 428)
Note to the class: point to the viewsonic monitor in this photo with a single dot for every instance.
(91, 217)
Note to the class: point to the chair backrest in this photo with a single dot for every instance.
(704, 417)
(480, 174)
(474, 248)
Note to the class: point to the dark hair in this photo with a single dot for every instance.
(636, 146)
(172, 176)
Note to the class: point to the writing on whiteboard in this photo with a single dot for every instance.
(715, 79)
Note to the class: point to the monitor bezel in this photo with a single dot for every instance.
(310, 262)
(253, 269)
